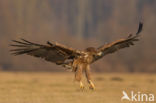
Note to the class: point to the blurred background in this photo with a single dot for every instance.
(79, 24)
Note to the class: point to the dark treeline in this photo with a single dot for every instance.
(79, 24)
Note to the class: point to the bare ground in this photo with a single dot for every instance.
(43, 87)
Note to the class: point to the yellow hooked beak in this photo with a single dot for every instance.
(99, 54)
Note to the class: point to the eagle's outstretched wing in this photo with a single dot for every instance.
(53, 52)
(119, 44)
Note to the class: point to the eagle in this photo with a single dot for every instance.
(78, 61)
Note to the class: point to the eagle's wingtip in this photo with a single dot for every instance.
(140, 27)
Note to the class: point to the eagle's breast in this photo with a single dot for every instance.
(87, 58)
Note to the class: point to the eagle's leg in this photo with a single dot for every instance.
(88, 76)
(78, 76)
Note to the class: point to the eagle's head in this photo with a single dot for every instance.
(91, 50)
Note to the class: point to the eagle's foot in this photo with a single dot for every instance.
(91, 85)
(81, 86)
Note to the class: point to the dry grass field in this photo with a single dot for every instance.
(44, 87)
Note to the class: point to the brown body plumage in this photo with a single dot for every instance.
(77, 61)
